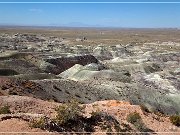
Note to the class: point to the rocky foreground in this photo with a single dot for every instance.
(38, 73)
(25, 109)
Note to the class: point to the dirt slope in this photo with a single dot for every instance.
(118, 109)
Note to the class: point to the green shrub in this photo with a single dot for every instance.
(106, 122)
(68, 111)
(139, 125)
(5, 110)
(133, 117)
(136, 120)
(175, 120)
(126, 128)
(96, 112)
(144, 108)
(40, 123)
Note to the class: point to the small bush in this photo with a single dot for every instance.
(96, 112)
(69, 111)
(133, 117)
(144, 108)
(126, 128)
(106, 122)
(175, 120)
(139, 125)
(5, 110)
(40, 123)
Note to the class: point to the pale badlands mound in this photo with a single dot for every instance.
(90, 85)
(25, 109)
(140, 75)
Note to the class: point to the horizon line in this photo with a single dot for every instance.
(36, 26)
(89, 2)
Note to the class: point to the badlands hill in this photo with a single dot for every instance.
(111, 78)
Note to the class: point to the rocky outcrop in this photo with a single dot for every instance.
(22, 88)
(102, 113)
(133, 67)
(24, 116)
(102, 53)
(164, 57)
(65, 63)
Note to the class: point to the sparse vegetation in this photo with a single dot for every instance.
(5, 110)
(70, 118)
(106, 122)
(126, 128)
(69, 111)
(40, 123)
(144, 108)
(136, 120)
(175, 120)
(96, 112)
(133, 117)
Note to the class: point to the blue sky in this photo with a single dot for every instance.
(107, 15)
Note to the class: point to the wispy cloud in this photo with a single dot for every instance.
(36, 10)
